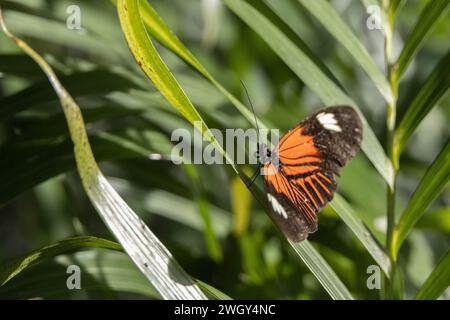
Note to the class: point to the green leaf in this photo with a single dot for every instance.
(279, 13)
(158, 29)
(154, 67)
(428, 19)
(78, 83)
(431, 184)
(312, 76)
(344, 210)
(60, 247)
(431, 91)
(90, 44)
(104, 273)
(144, 248)
(322, 271)
(437, 282)
(29, 167)
(332, 22)
(394, 5)
(211, 291)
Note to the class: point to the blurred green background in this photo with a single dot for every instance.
(42, 201)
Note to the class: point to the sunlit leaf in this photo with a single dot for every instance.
(212, 292)
(332, 22)
(322, 271)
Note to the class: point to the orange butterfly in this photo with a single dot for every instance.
(299, 173)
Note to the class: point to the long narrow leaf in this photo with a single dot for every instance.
(60, 247)
(395, 5)
(157, 28)
(312, 76)
(147, 252)
(428, 19)
(431, 184)
(332, 22)
(212, 292)
(437, 282)
(151, 63)
(432, 90)
(350, 218)
(104, 273)
(322, 271)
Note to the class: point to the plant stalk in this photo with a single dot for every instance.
(390, 127)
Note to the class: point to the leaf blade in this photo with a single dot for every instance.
(159, 30)
(324, 12)
(431, 91)
(437, 282)
(429, 16)
(104, 272)
(67, 245)
(433, 181)
(349, 217)
(321, 270)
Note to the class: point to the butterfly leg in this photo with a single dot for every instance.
(253, 178)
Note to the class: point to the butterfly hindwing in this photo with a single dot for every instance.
(308, 158)
(290, 209)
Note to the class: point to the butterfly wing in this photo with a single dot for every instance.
(309, 156)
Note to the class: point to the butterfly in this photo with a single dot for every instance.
(299, 174)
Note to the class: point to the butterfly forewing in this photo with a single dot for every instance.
(308, 158)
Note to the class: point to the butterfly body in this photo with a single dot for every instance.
(299, 173)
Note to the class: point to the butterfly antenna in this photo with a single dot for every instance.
(251, 105)
(255, 175)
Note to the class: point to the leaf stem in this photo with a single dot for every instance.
(390, 125)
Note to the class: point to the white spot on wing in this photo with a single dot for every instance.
(328, 121)
(277, 207)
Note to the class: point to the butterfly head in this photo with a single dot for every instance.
(264, 154)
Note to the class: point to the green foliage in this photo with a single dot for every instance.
(64, 246)
(431, 184)
(437, 281)
(424, 26)
(150, 255)
(294, 56)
